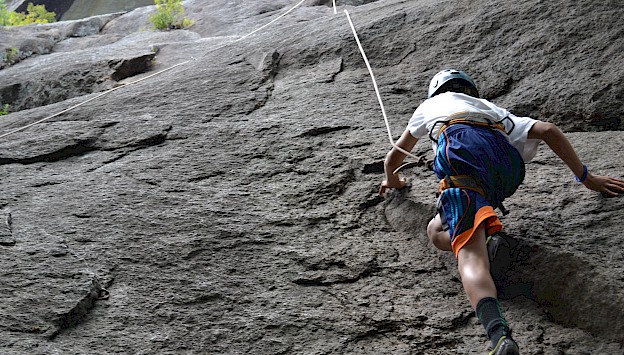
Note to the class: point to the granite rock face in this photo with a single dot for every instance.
(229, 205)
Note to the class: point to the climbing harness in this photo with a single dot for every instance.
(470, 118)
(457, 181)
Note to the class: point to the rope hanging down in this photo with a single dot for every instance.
(383, 110)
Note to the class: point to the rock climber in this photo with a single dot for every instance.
(480, 151)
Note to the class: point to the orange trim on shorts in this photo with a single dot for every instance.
(485, 215)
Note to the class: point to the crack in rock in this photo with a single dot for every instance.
(74, 315)
(6, 231)
(79, 148)
(317, 131)
(132, 136)
(125, 68)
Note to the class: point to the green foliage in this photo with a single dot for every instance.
(169, 15)
(4, 14)
(9, 57)
(4, 109)
(12, 55)
(35, 14)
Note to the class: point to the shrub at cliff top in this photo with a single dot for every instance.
(36, 14)
(169, 15)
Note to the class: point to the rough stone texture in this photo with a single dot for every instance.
(230, 205)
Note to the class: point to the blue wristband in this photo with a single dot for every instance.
(582, 178)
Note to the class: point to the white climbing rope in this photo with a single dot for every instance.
(268, 24)
(370, 71)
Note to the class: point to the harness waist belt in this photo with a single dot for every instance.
(468, 118)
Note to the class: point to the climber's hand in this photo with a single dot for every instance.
(609, 187)
(397, 183)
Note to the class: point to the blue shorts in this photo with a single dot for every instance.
(486, 155)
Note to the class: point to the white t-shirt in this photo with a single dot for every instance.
(440, 107)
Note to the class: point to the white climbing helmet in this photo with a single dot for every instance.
(455, 80)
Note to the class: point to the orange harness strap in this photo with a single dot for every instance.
(460, 181)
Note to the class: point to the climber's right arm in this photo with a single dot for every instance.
(559, 143)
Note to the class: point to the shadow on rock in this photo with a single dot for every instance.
(569, 289)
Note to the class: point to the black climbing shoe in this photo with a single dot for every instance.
(495, 243)
(499, 252)
(506, 346)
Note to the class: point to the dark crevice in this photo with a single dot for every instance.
(376, 167)
(151, 141)
(207, 176)
(78, 149)
(323, 130)
(6, 230)
(340, 70)
(322, 281)
(126, 68)
(268, 79)
(202, 299)
(10, 93)
(85, 146)
(77, 313)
